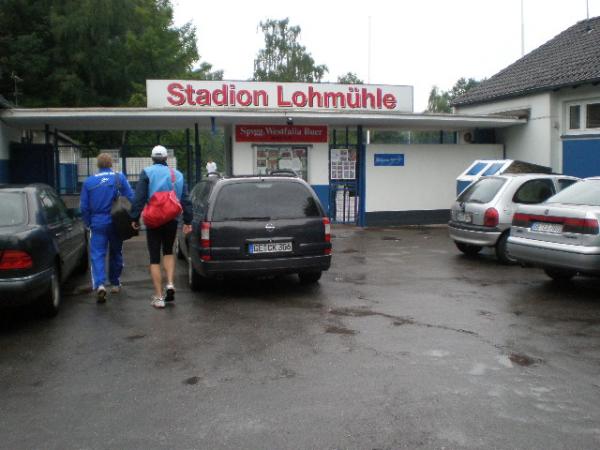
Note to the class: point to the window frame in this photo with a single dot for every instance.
(583, 116)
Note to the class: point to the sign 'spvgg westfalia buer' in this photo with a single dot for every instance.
(281, 133)
(236, 95)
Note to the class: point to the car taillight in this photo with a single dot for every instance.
(327, 229)
(521, 220)
(205, 240)
(15, 259)
(581, 226)
(490, 218)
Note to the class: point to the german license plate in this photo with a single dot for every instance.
(464, 217)
(547, 227)
(270, 247)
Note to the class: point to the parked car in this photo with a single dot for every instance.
(482, 214)
(256, 225)
(41, 244)
(560, 235)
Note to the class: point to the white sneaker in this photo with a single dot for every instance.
(101, 294)
(169, 293)
(115, 289)
(158, 302)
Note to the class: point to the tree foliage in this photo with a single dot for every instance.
(92, 52)
(439, 101)
(283, 58)
(349, 78)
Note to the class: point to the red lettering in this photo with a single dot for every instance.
(335, 99)
(244, 98)
(203, 97)
(299, 99)
(366, 96)
(219, 96)
(280, 100)
(261, 94)
(189, 91)
(312, 94)
(379, 98)
(389, 101)
(176, 98)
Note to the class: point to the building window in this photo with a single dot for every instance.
(593, 115)
(574, 117)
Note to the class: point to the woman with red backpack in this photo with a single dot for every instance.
(160, 198)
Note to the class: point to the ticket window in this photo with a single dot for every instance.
(291, 157)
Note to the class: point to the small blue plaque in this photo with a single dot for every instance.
(389, 159)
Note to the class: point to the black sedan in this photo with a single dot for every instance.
(41, 244)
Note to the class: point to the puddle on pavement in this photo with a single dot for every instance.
(399, 321)
(192, 380)
(522, 360)
(348, 250)
(339, 330)
(391, 238)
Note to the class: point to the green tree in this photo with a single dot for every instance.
(283, 58)
(440, 101)
(92, 52)
(349, 78)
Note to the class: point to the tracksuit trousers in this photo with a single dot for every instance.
(103, 238)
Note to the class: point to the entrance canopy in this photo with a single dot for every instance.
(91, 119)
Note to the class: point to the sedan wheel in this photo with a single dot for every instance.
(50, 301)
(501, 250)
(560, 276)
(309, 277)
(468, 249)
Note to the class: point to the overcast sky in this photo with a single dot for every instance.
(421, 43)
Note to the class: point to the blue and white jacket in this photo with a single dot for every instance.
(97, 195)
(157, 178)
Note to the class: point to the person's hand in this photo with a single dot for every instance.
(135, 225)
(187, 229)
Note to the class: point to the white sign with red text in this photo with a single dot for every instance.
(236, 95)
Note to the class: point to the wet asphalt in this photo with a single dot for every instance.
(404, 343)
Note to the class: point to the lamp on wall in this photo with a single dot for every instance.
(289, 121)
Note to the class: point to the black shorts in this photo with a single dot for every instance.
(163, 236)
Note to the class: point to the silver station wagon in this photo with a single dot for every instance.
(561, 235)
(482, 214)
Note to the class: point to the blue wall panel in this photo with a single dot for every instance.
(322, 191)
(581, 157)
(4, 171)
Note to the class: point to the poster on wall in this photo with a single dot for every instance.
(284, 157)
(342, 164)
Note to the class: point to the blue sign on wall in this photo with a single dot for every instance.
(389, 159)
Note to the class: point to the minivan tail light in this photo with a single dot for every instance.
(491, 217)
(581, 226)
(327, 230)
(15, 259)
(205, 240)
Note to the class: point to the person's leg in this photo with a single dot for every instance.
(98, 244)
(153, 237)
(170, 233)
(115, 259)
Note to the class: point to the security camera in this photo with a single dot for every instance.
(290, 120)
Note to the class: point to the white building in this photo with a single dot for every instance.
(555, 87)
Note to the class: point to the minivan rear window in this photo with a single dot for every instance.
(264, 200)
(12, 205)
(483, 191)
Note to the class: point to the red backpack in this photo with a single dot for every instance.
(162, 207)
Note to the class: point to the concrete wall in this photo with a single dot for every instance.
(423, 189)
(7, 135)
(531, 142)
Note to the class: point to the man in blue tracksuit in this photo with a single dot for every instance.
(97, 195)
(153, 179)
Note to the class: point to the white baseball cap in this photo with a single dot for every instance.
(159, 152)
